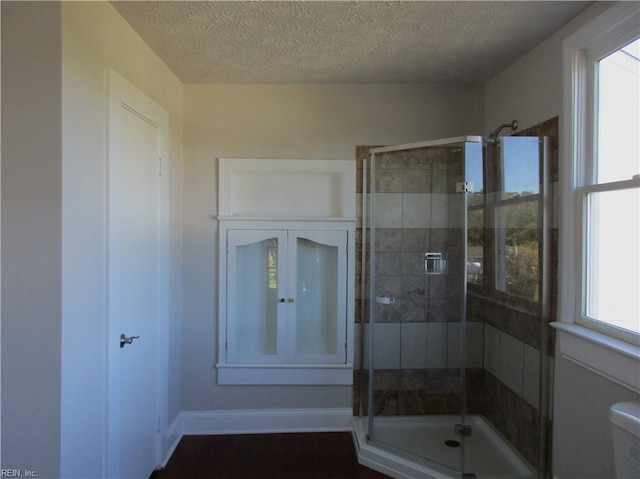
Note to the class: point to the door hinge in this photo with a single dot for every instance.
(466, 187)
(159, 166)
(462, 430)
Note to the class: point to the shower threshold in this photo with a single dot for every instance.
(487, 454)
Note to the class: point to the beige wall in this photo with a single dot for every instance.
(530, 90)
(31, 237)
(582, 432)
(95, 37)
(285, 121)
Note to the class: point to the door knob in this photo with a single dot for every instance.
(124, 340)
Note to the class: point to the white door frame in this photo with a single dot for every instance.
(124, 94)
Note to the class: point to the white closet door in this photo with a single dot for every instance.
(137, 280)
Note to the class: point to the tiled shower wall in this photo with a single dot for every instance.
(417, 353)
(503, 348)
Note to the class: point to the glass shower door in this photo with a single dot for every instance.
(416, 330)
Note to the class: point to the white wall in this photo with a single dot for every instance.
(95, 37)
(31, 237)
(531, 91)
(285, 121)
(582, 446)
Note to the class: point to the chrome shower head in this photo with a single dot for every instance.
(493, 137)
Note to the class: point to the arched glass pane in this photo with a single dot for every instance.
(317, 298)
(256, 298)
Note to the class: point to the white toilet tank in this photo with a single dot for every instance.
(625, 425)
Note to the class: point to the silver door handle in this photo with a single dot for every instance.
(124, 340)
(385, 299)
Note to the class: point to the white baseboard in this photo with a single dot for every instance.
(265, 421)
(174, 434)
(254, 422)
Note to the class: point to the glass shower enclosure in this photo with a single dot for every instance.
(426, 237)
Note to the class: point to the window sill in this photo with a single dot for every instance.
(281, 374)
(611, 358)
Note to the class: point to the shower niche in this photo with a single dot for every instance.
(435, 263)
(438, 233)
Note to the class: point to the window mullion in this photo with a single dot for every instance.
(589, 167)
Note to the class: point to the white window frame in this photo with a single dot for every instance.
(606, 350)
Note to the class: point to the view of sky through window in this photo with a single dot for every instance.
(613, 214)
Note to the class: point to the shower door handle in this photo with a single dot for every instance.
(385, 299)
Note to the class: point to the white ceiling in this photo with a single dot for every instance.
(343, 41)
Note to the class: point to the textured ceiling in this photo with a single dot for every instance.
(343, 42)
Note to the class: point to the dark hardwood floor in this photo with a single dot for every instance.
(329, 455)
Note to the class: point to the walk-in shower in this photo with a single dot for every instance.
(453, 253)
